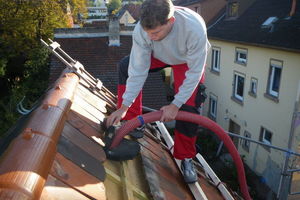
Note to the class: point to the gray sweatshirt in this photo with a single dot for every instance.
(186, 43)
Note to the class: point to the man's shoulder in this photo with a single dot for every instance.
(139, 34)
(187, 14)
(138, 30)
(188, 19)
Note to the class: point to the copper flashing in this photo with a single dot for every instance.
(26, 163)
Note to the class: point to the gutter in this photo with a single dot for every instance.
(255, 44)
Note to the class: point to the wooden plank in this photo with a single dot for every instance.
(57, 190)
(72, 175)
(164, 179)
(81, 158)
(83, 124)
(87, 110)
(88, 107)
(126, 189)
(86, 116)
(113, 185)
(92, 99)
(195, 188)
(85, 143)
(125, 178)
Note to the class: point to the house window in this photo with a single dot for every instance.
(274, 78)
(253, 86)
(213, 106)
(241, 56)
(238, 86)
(265, 136)
(215, 63)
(196, 9)
(246, 143)
(233, 9)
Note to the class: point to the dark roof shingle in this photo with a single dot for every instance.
(101, 60)
(248, 27)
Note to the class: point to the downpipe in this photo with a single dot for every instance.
(196, 119)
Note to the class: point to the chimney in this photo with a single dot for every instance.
(114, 32)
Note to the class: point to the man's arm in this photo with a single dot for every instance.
(198, 46)
(196, 59)
(138, 68)
(139, 64)
(116, 116)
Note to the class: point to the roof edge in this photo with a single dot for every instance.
(256, 44)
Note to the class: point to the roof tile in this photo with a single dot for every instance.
(247, 27)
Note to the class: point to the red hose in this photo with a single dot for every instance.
(197, 119)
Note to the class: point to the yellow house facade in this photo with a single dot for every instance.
(235, 104)
(253, 86)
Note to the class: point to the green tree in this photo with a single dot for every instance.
(114, 6)
(76, 8)
(23, 61)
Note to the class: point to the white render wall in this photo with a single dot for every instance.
(259, 111)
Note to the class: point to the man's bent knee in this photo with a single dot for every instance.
(123, 70)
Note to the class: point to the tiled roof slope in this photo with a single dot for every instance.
(247, 28)
(59, 154)
(133, 9)
(101, 61)
(186, 2)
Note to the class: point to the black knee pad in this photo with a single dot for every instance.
(123, 70)
(201, 95)
(187, 128)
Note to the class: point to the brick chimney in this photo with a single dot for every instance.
(114, 32)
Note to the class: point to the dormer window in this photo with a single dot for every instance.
(232, 9)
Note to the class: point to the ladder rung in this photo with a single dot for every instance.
(54, 45)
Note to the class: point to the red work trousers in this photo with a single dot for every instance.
(184, 143)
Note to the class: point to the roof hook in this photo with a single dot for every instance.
(21, 109)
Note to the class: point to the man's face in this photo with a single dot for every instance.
(160, 32)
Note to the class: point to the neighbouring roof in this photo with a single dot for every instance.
(59, 153)
(247, 28)
(186, 2)
(133, 9)
(101, 61)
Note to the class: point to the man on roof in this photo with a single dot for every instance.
(166, 36)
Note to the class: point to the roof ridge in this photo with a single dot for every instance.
(35, 148)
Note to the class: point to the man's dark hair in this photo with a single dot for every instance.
(156, 13)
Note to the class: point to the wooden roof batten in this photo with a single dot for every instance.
(28, 159)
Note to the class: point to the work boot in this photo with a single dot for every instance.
(188, 170)
(138, 132)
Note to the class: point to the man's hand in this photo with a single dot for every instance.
(169, 113)
(116, 116)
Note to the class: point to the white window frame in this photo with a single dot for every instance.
(235, 86)
(213, 106)
(272, 79)
(263, 137)
(253, 86)
(238, 56)
(215, 62)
